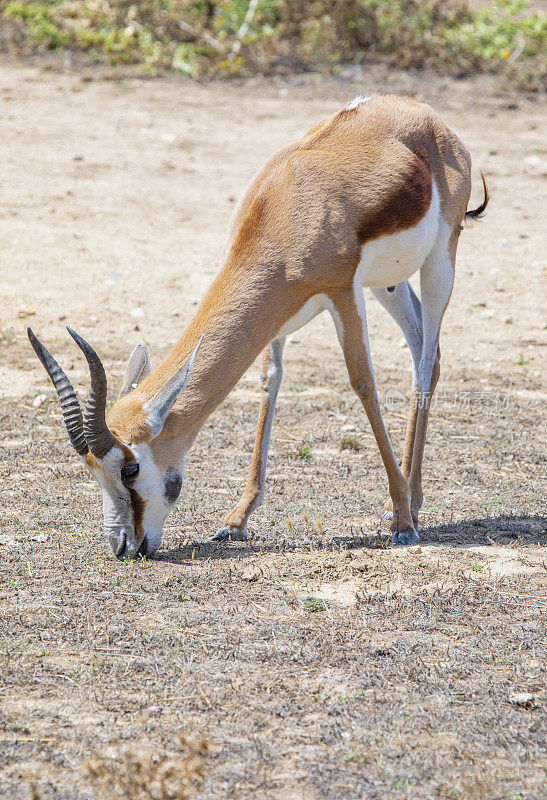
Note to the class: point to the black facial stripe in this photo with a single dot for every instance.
(173, 484)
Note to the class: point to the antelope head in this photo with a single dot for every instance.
(139, 471)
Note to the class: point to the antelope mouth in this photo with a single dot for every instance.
(117, 543)
(143, 549)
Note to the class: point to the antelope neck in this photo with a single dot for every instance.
(237, 319)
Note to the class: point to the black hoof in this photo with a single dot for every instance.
(404, 538)
(228, 534)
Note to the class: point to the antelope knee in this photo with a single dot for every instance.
(363, 389)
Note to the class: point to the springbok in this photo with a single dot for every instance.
(369, 196)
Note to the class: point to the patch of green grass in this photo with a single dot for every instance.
(448, 791)
(477, 567)
(400, 783)
(97, 569)
(314, 605)
(24, 730)
(350, 442)
(304, 449)
(379, 739)
(297, 387)
(521, 361)
(138, 561)
(353, 757)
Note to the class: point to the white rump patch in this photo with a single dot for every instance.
(356, 102)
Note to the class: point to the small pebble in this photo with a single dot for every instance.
(536, 165)
(39, 400)
(251, 574)
(524, 699)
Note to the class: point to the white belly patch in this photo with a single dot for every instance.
(309, 310)
(392, 259)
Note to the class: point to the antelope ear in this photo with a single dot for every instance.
(137, 368)
(157, 409)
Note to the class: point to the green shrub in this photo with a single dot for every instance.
(40, 22)
(196, 37)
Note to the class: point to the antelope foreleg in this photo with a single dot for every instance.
(235, 524)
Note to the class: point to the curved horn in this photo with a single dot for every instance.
(72, 414)
(96, 432)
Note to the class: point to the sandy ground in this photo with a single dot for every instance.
(318, 663)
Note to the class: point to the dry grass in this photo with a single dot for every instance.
(136, 775)
(317, 662)
(405, 689)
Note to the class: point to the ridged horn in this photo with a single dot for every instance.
(97, 435)
(72, 413)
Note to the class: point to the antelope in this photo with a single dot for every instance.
(368, 197)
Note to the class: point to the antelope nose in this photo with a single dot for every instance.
(117, 541)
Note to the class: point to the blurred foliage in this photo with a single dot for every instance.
(201, 37)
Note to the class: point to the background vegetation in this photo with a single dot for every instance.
(202, 37)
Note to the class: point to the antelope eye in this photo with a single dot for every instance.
(129, 471)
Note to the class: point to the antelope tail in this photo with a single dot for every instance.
(477, 213)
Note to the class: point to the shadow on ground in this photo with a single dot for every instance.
(503, 530)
